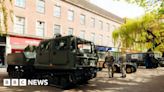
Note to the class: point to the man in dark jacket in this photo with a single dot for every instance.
(109, 60)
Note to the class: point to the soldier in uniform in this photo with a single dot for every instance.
(109, 60)
(122, 60)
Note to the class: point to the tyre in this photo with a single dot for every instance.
(15, 72)
(116, 69)
(104, 65)
(129, 70)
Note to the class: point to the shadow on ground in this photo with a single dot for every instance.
(150, 82)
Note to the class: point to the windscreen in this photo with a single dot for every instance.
(85, 47)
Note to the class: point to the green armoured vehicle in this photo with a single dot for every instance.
(62, 60)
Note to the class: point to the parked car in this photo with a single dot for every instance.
(147, 59)
(130, 67)
(161, 62)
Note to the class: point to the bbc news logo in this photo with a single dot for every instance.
(25, 82)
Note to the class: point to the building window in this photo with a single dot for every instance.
(57, 11)
(92, 22)
(70, 31)
(82, 19)
(41, 6)
(20, 3)
(100, 39)
(82, 34)
(100, 24)
(70, 15)
(57, 29)
(19, 25)
(107, 43)
(113, 27)
(40, 28)
(108, 26)
(92, 37)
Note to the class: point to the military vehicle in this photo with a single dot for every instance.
(64, 61)
(147, 59)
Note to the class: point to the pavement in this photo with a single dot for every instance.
(144, 80)
(3, 69)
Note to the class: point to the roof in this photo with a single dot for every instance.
(67, 36)
(95, 9)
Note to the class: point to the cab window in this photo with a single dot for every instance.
(45, 46)
(61, 44)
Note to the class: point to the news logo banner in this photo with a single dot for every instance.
(25, 82)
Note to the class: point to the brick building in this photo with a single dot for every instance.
(35, 20)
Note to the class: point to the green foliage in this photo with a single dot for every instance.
(144, 31)
(5, 13)
(149, 5)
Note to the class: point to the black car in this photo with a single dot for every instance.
(130, 67)
(161, 62)
(147, 59)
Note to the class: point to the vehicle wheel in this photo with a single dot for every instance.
(129, 70)
(94, 75)
(104, 65)
(114, 69)
(15, 72)
(64, 83)
(133, 69)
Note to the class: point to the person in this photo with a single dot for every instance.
(122, 60)
(109, 60)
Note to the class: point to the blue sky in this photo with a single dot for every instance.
(121, 8)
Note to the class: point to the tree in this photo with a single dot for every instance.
(149, 5)
(5, 13)
(146, 31)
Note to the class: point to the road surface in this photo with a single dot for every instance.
(144, 80)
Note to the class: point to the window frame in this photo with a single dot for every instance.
(101, 24)
(20, 4)
(38, 28)
(19, 25)
(83, 36)
(82, 19)
(93, 22)
(70, 17)
(38, 8)
(100, 39)
(57, 13)
(92, 38)
(69, 31)
(108, 27)
(54, 29)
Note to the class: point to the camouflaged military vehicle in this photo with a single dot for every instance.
(63, 61)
